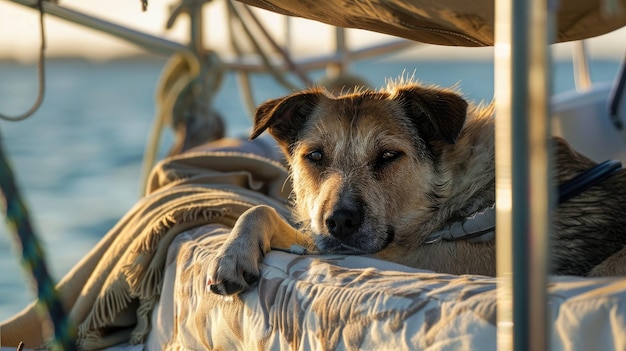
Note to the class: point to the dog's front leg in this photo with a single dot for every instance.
(236, 265)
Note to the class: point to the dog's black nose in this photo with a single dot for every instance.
(343, 223)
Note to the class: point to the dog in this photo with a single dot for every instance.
(377, 172)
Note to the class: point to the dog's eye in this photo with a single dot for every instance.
(315, 156)
(385, 158)
(388, 156)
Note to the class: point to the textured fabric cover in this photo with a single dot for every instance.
(357, 303)
(448, 22)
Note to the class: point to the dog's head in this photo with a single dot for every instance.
(363, 165)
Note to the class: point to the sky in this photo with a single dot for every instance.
(19, 29)
(19, 33)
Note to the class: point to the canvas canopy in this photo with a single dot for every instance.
(448, 22)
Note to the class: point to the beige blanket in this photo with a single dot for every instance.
(111, 293)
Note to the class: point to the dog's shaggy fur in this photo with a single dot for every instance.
(376, 172)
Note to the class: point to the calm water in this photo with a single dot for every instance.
(78, 160)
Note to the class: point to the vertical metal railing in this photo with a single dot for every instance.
(523, 191)
(582, 77)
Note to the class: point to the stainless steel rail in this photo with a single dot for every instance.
(523, 189)
(582, 77)
(253, 64)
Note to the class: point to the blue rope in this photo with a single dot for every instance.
(33, 259)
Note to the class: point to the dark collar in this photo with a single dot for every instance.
(481, 227)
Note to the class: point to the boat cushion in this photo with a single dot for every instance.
(336, 302)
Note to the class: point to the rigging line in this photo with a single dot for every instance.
(243, 77)
(280, 78)
(40, 73)
(33, 259)
(281, 51)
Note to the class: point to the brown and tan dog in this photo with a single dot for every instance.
(378, 172)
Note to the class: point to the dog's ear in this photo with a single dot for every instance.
(438, 113)
(283, 117)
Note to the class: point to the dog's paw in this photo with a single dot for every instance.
(233, 270)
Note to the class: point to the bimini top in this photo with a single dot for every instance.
(447, 22)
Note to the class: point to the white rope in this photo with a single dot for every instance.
(180, 71)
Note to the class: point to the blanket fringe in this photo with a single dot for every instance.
(139, 273)
(171, 219)
(113, 300)
(144, 274)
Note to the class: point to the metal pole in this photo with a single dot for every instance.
(582, 77)
(523, 189)
(323, 61)
(341, 48)
(196, 29)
